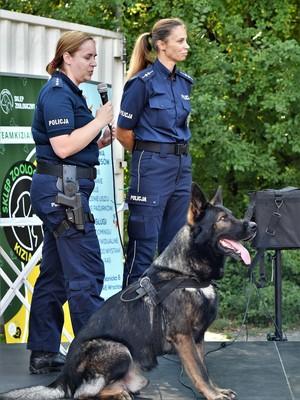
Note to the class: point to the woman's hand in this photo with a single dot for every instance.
(105, 114)
(107, 138)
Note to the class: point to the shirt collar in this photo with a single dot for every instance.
(164, 70)
(68, 81)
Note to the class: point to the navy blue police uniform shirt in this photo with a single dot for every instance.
(61, 108)
(155, 107)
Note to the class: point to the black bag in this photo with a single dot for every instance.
(277, 214)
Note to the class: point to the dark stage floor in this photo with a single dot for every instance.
(255, 370)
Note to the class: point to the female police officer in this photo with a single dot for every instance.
(154, 124)
(67, 139)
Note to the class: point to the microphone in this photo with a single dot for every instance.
(102, 90)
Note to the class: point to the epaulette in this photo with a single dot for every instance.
(184, 75)
(146, 74)
(57, 82)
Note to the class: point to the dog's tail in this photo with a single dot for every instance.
(51, 392)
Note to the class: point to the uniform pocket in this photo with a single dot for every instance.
(162, 108)
(79, 295)
(142, 199)
(141, 164)
(143, 220)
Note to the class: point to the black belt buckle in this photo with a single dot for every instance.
(181, 149)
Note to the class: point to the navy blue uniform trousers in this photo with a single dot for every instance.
(71, 268)
(158, 201)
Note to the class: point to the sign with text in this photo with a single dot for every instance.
(103, 207)
(18, 95)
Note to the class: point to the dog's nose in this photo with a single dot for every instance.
(252, 226)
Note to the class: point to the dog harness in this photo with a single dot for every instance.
(144, 286)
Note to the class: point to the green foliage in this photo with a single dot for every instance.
(246, 98)
(102, 14)
(237, 294)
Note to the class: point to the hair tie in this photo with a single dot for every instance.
(53, 63)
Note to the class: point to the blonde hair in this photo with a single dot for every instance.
(142, 54)
(69, 42)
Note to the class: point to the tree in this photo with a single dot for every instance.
(245, 61)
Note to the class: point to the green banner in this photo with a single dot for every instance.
(18, 95)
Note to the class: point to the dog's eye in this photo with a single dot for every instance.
(224, 218)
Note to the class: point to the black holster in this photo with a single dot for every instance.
(75, 213)
(70, 197)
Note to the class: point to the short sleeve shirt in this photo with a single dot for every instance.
(61, 108)
(155, 106)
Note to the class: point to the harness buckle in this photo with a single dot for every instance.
(146, 284)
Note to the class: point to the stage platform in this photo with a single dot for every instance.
(264, 370)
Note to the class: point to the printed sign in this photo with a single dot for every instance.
(18, 95)
(103, 207)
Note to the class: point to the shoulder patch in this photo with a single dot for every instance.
(186, 76)
(57, 82)
(146, 74)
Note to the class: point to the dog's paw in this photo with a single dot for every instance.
(115, 394)
(227, 394)
(126, 396)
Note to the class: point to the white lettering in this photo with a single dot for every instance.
(25, 106)
(185, 97)
(138, 198)
(126, 114)
(58, 121)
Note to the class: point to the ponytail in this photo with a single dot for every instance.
(142, 55)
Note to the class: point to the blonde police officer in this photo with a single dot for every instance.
(154, 125)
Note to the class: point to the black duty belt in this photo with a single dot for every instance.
(179, 149)
(57, 170)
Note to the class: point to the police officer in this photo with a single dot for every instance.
(154, 125)
(67, 139)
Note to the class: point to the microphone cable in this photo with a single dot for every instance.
(102, 90)
(114, 191)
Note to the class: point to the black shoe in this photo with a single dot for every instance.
(42, 362)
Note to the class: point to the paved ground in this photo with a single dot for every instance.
(243, 336)
(256, 370)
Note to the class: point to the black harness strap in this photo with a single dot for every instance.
(268, 234)
(144, 286)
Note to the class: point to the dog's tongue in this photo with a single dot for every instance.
(239, 248)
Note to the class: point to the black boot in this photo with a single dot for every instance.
(42, 362)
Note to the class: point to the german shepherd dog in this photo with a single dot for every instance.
(166, 312)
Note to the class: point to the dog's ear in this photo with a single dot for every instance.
(198, 201)
(218, 197)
